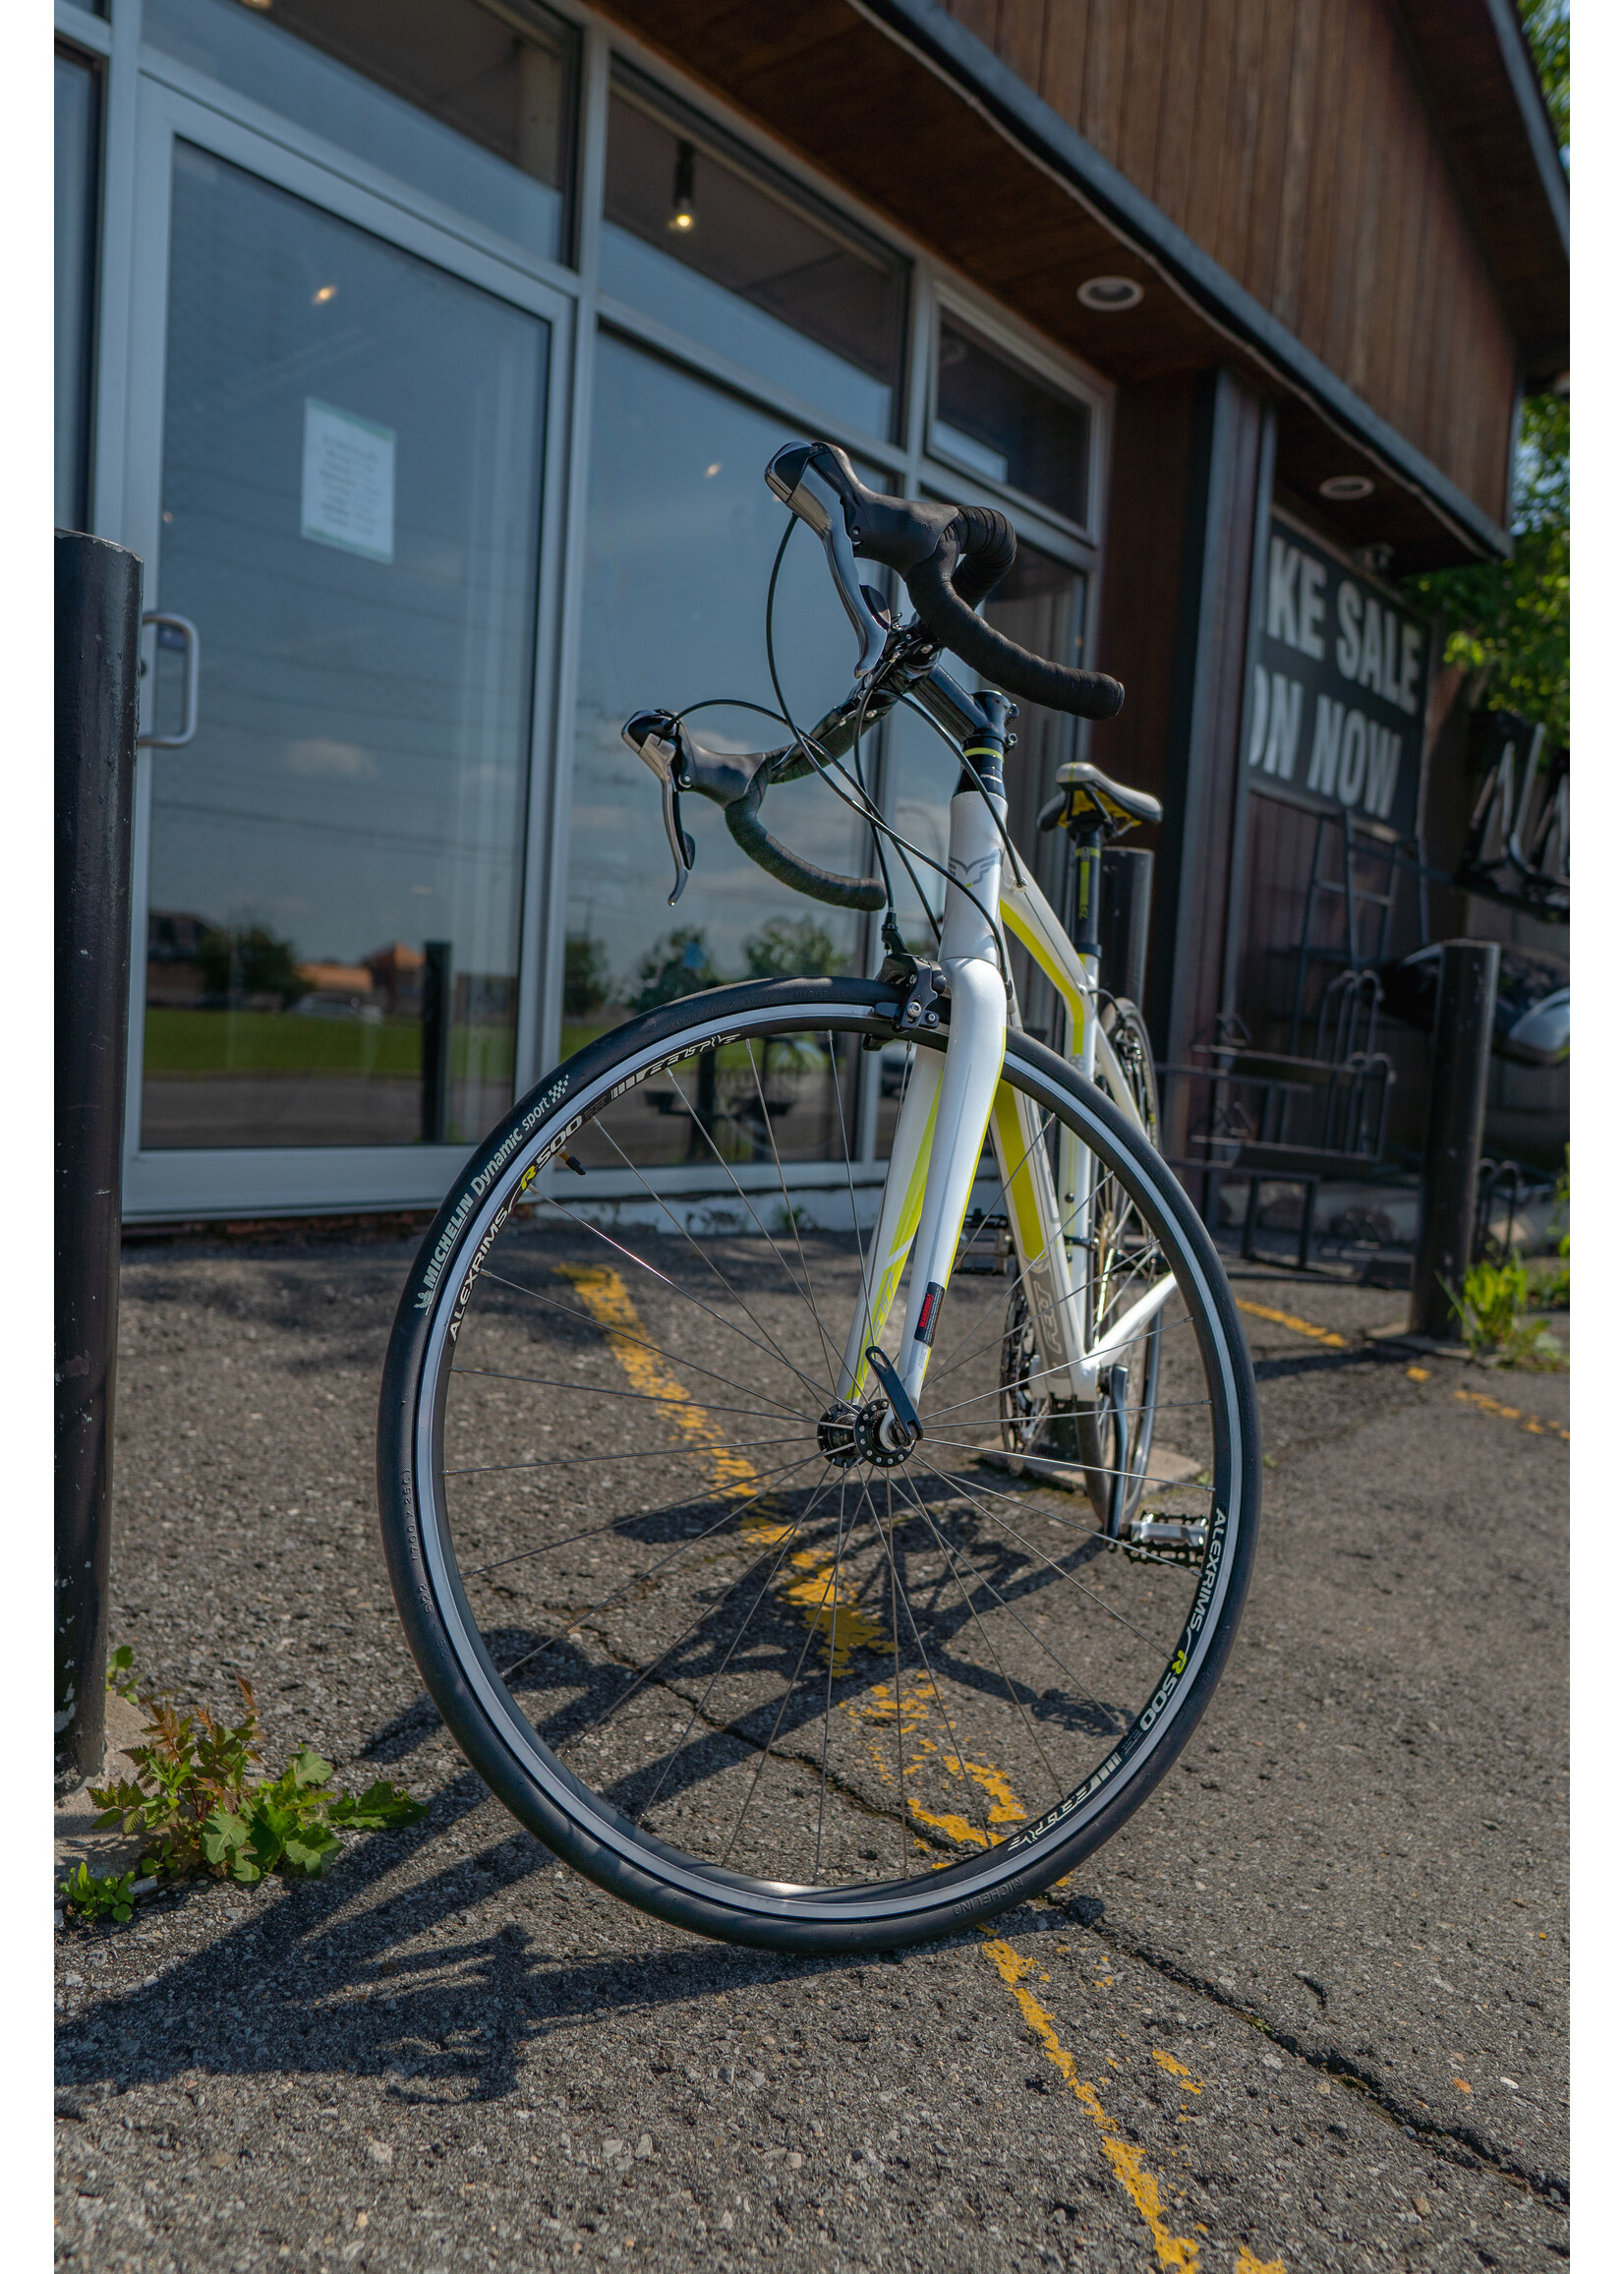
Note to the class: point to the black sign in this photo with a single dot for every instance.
(1517, 841)
(1337, 699)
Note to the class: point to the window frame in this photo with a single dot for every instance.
(934, 288)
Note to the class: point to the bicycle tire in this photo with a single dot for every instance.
(1131, 1748)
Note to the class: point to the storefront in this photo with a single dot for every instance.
(430, 354)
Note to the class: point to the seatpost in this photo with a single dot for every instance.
(1085, 929)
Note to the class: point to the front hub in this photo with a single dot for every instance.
(849, 1433)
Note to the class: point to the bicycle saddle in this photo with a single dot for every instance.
(1082, 785)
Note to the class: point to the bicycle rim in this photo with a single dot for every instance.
(771, 1695)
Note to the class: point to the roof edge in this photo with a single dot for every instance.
(982, 78)
(1530, 97)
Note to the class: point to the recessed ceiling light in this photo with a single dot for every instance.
(1109, 295)
(261, 5)
(323, 294)
(1344, 487)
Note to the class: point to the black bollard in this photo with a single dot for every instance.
(98, 662)
(436, 1038)
(1462, 1033)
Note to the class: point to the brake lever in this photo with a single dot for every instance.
(656, 738)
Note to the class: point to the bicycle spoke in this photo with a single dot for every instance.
(633, 1342)
(710, 1265)
(644, 1397)
(1059, 1790)
(1059, 1569)
(687, 1295)
(734, 1510)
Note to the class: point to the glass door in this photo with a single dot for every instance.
(349, 492)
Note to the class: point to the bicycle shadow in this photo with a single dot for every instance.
(321, 1983)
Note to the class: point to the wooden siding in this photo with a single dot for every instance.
(1291, 140)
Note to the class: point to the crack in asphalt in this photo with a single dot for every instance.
(1419, 2123)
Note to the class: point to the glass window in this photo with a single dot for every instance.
(748, 264)
(441, 93)
(351, 493)
(682, 530)
(77, 170)
(997, 421)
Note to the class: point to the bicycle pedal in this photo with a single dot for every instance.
(1164, 1539)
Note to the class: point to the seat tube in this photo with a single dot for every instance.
(1077, 1163)
(978, 1023)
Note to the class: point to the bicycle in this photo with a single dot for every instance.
(795, 1611)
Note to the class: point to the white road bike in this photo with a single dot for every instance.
(790, 1607)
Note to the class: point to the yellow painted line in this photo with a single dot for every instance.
(1535, 1427)
(917, 1701)
(832, 1612)
(1186, 2083)
(1298, 1326)
(1179, 2254)
(912, 1706)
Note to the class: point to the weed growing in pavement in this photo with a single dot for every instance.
(112, 1897)
(199, 1806)
(1493, 1308)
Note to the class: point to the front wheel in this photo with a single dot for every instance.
(723, 1652)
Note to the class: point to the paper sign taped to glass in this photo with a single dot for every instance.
(347, 498)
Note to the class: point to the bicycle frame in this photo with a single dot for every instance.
(943, 1125)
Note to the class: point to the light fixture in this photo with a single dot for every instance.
(1110, 295)
(682, 190)
(1342, 489)
(323, 294)
(264, 6)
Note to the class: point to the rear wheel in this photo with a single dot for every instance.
(725, 1657)
(1105, 1441)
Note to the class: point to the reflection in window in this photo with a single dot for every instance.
(749, 264)
(441, 93)
(351, 493)
(77, 169)
(997, 421)
(682, 530)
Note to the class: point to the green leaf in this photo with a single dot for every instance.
(222, 1834)
(311, 1849)
(383, 1807)
(309, 1768)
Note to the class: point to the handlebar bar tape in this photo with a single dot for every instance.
(934, 589)
(950, 558)
(801, 876)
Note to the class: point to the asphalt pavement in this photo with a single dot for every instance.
(1307, 2011)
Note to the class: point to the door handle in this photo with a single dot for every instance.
(194, 659)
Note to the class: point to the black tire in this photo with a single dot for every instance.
(461, 1288)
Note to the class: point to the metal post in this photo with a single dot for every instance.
(98, 662)
(1125, 920)
(1461, 1034)
(436, 1038)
